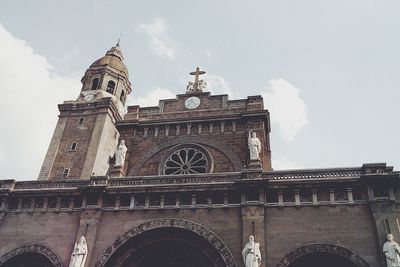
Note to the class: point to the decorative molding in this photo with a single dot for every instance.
(326, 248)
(48, 253)
(196, 228)
(276, 178)
(336, 173)
(237, 163)
(206, 155)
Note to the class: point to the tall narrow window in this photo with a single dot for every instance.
(387, 226)
(65, 172)
(122, 97)
(80, 122)
(95, 83)
(110, 87)
(73, 147)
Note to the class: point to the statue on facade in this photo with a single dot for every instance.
(78, 257)
(190, 87)
(251, 253)
(120, 154)
(392, 252)
(201, 85)
(254, 145)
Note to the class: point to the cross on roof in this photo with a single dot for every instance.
(196, 74)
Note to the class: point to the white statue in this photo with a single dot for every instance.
(392, 251)
(190, 87)
(201, 85)
(254, 146)
(251, 253)
(120, 154)
(78, 257)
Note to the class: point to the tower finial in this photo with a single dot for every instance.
(120, 35)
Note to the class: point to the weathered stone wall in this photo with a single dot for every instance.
(348, 226)
(56, 231)
(286, 229)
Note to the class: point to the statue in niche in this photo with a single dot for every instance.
(254, 145)
(78, 257)
(251, 253)
(392, 251)
(120, 154)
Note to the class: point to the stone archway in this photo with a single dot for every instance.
(235, 160)
(308, 253)
(38, 252)
(178, 234)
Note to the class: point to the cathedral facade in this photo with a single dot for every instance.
(187, 183)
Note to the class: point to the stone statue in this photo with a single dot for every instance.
(78, 257)
(251, 253)
(392, 251)
(120, 154)
(190, 87)
(201, 85)
(254, 146)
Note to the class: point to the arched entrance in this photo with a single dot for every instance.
(324, 255)
(30, 256)
(169, 243)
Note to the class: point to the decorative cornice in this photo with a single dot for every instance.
(173, 119)
(333, 175)
(97, 104)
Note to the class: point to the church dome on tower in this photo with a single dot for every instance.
(107, 77)
(114, 59)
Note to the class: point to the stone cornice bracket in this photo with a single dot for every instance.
(98, 184)
(7, 186)
(107, 102)
(253, 174)
(378, 171)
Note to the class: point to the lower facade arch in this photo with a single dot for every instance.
(315, 253)
(170, 241)
(38, 253)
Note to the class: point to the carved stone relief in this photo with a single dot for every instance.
(50, 255)
(327, 248)
(189, 139)
(199, 229)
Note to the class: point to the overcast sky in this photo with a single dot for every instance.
(328, 70)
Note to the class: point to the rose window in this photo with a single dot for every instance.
(186, 160)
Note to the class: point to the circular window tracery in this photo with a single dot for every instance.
(187, 160)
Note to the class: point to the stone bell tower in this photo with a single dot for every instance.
(85, 135)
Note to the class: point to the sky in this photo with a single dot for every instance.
(328, 70)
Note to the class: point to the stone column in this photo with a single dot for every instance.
(253, 223)
(88, 225)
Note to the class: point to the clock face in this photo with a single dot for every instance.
(89, 97)
(192, 102)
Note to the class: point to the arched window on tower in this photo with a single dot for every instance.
(122, 97)
(95, 83)
(110, 87)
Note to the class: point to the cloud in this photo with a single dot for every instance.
(160, 42)
(71, 54)
(30, 91)
(151, 99)
(288, 110)
(218, 85)
(284, 163)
